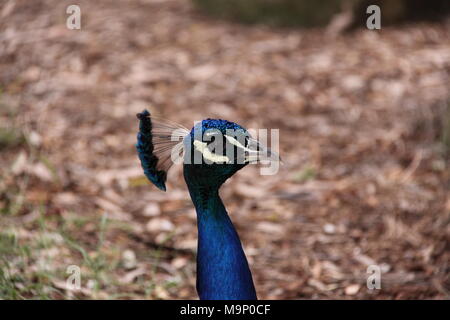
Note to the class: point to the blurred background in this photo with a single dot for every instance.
(364, 119)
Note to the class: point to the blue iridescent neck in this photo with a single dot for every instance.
(222, 268)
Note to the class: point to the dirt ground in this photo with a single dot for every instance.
(364, 123)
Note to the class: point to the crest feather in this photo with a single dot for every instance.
(155, 144)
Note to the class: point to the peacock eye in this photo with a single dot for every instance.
(247, 139)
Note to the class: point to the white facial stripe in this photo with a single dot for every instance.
(236, 143)
(207, 154)
(210, 133)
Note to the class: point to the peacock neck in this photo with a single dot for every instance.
(222, 268)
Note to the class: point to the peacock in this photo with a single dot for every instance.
(211, 152)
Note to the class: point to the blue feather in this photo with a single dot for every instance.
(145, 148)
(222, 268)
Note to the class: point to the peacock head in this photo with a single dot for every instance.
(212, 151)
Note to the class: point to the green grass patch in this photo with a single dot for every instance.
(11, 137)
(273, 12)
(305, 174)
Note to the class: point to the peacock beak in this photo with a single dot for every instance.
(259, 152)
